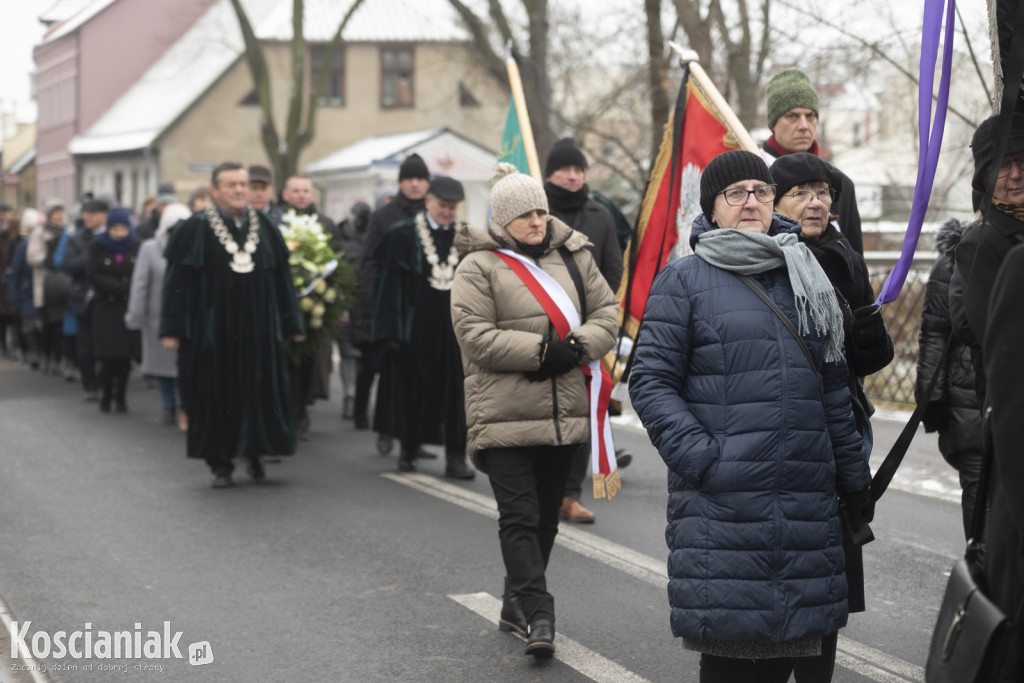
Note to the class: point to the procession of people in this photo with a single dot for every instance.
(486, 340)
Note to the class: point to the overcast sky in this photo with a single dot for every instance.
(22, 30)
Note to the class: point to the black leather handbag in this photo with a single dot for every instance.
(970, 625)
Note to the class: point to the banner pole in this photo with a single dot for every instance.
(688, 59)
(516, 83)
(723, 108)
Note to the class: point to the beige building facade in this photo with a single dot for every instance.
(448, 89)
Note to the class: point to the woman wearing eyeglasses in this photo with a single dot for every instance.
(806, 188)
(748, 407)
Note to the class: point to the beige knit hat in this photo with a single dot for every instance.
(513, 194)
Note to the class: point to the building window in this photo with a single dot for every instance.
(466, 99)
(250, 100)
(334, 89)
(396, 77)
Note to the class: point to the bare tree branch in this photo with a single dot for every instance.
(974, 58)
(260, 78)
(500, 20)
(320, 86)
(879, 52)
(492, 61)
(657, 72)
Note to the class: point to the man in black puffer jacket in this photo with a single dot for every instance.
(953, 409)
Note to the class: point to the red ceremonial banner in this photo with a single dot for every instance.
(695, 135)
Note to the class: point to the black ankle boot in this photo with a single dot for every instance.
(455, 465)
(512, 617)
(406, 460)
(541, 643)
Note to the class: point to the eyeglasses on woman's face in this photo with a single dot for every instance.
(802, 197)
(737, 196)
(1008, 162)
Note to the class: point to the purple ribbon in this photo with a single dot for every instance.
(930, 141)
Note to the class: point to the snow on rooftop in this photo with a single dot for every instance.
(374, 21)
(70, 14)
(366, 152)
(214, 43)
(171, 85)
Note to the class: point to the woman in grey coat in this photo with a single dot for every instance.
(144, 308)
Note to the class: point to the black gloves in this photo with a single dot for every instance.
(868, 327)
(857, 509)
(557, 357)
(935, 418)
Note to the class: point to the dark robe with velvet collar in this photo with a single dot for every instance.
(420, 395)
(233, 328)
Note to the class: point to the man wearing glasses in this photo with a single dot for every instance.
(793, 120)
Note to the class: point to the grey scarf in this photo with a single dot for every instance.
(748, 253)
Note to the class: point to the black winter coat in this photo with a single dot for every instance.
(953, 409)
(1004, 531)
(978, 256)
(594, 221)
(848, 273)
(110, 277)
(76, 258)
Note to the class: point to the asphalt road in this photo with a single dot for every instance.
(338, 569)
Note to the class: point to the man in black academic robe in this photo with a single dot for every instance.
(413, 181)
(420, 395)
(229, 308)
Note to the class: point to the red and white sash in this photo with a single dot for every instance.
(565, 318)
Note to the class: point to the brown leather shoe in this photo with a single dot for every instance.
(573, 511)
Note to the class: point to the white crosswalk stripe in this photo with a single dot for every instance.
(866, 661)
(567, 650)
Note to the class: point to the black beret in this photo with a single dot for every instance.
(448, 189)
(796, 169)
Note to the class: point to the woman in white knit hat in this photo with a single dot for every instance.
(526, 396)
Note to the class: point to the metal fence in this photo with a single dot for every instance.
(895, 383)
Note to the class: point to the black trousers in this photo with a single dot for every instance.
(774, 670)
(578, 471)
(113, 379)
(301, 376)
(369, 366)
(83, 351)
(528, 485)
(817, 669)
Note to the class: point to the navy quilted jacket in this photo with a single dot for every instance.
(755, 457)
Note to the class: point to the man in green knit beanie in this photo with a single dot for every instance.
(793, 119)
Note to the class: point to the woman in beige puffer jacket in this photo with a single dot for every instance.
(526, 417)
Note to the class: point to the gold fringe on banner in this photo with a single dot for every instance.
(606, 486)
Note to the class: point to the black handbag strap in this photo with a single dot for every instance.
(577, 279)
(887, 470)
(789, 326)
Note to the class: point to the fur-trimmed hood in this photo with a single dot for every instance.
(949, 236)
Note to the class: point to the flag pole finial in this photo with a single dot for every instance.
(685, 54)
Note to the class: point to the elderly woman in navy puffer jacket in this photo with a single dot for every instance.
(759, 444)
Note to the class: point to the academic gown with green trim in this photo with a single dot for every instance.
(233, 328)
(420, 394)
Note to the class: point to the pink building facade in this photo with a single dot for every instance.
(84, 64)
